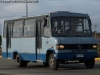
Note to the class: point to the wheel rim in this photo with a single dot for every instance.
(52, 60)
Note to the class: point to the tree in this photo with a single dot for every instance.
(0, 39)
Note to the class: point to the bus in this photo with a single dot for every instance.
(59, 37)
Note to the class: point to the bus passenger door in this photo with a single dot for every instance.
(38, 40)
(8, 39)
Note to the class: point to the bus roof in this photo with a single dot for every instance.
(68, 14)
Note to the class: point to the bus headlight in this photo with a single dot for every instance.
(58, 47)
(94, 46)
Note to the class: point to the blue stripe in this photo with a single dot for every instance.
(28, 57)
(66, 56)
(32, 57)
(4, 55)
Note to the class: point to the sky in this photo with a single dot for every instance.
(13, 10)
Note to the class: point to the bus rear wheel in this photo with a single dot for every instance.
(89, 63)
(19, 62)
(53, 63)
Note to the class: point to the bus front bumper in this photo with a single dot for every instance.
(76, 56)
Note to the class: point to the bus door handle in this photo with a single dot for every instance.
(46, 42)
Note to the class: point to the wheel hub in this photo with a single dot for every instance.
(52, 62)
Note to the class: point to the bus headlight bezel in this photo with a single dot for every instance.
(60, 47)
(94, 46)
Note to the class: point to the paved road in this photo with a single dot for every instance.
(8, 67)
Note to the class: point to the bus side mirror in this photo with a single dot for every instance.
(44, 22)
(90, 22)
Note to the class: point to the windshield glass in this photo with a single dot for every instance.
(70, 27)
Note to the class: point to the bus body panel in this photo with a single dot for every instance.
(4, 54)
(28, 48)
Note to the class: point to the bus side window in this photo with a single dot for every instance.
(29, 28)
(86, 26)
(46, 30)
(5, 29)
(18, 28)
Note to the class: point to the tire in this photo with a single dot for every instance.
(53, 63)
(19, 62)
(89, 63)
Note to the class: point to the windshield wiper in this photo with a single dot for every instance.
(66, 35)
(62, 35)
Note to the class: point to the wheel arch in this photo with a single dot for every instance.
(14, 54)
(49, 51)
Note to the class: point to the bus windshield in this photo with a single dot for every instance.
(63, 26)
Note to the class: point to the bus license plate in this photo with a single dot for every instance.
(79, 55)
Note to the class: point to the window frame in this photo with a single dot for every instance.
(48, 27)
(13, 29)
(4, 30)
(34, 27)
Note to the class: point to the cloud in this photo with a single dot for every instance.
(45, 6)
(15, 7)
(95, 19)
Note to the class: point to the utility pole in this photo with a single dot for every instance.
(26, 9)
(95, 30)
(34, 1)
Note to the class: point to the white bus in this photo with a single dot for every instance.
(55, 38)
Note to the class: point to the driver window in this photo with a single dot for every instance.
(79, 25)
(54, 28)
(67, 27)
(79, 28)
(62, 27)
(86, 26)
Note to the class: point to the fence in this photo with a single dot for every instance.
(98, 48)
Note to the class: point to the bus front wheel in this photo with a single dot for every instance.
(89, 63)
(19, 62)
(53, 63)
